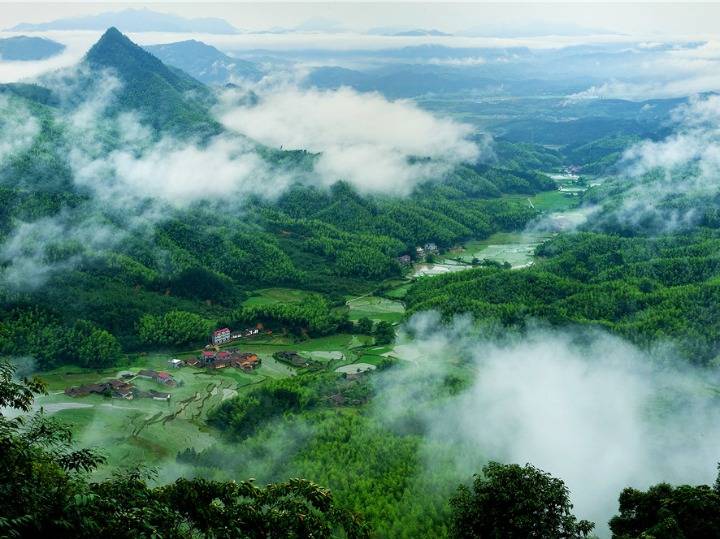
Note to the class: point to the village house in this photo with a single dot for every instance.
(246, 361)
(431, 248)
(221, 336)
(121, 389)
(161, 377)
(192, 362)
(159, 395)
(175, 363)
(246, 333)
(165, 378)
(207, 357)
(224, 335)
(220, 361)
(404, 259)
(420, 252)
(118, 389)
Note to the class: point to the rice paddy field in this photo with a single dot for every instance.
(376, 308)
(516, 248)
(147, 432)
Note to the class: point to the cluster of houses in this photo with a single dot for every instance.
(429, 248)
(118, 389)
(223, 335)
(214, 359)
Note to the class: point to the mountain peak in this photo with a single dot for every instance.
(111, 33)
(115, 49)
(149, 86)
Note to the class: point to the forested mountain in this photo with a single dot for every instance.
(168, 98)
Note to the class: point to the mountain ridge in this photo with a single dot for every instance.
(204, 62)
(134, 20)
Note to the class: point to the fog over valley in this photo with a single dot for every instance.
(359, 270)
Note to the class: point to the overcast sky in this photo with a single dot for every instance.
(634, 18)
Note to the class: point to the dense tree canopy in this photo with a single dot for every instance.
(173, 329)
(667, 511)
(512, 501)
(644, 289)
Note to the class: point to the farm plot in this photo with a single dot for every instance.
(376, 308)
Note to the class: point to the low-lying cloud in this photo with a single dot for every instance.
(18, 128)
(674, 70)
(378, 146)
(125, 167)
(36, 250)
(684, 164)
(589, 408)
(696, 140)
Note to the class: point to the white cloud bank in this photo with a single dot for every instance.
(595, 412)
(696, 140)
(678, 72)
(379, 146)
(687, 162)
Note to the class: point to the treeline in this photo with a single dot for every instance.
(313, 316)
(523, 501)
(41, 335)
(174, 328)
(646, 289)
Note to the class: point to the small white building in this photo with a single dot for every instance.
(176, 363)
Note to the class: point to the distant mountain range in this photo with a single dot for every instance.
(24, 48)
(531, 29)
(406, 32)
(204, 62)
(134, 20)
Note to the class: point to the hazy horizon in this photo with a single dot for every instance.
(624, 18)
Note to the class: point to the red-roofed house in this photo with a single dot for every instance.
(165, 378)
(246, 361)
(207, 357)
